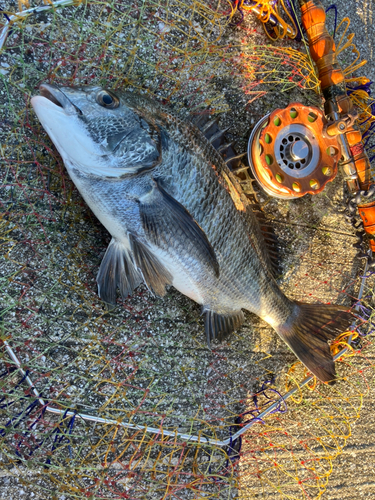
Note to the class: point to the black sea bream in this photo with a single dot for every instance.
(177, 216)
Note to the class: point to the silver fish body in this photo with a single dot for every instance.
(177, 216)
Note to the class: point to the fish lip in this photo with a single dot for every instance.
(57, 96)
(52, 93)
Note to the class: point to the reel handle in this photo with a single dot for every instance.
(339, 110)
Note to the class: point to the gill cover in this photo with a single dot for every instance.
(95, 132)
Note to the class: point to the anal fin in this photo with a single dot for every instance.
(218, 326)
(154, 273)
(117, 271)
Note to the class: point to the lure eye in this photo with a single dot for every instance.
(107, 99)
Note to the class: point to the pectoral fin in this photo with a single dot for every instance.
(169, 225)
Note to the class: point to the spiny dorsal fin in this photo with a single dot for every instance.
(217, 137)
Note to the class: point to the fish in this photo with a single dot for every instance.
(177, 216)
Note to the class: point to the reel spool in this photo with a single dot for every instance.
(290, 154)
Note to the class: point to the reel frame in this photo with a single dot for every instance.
(290, 152)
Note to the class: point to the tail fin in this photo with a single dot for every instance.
(307, 331)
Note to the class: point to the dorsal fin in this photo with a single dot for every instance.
(217, 137)
(270, 238)
(210, 128)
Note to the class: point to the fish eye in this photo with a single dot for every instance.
(107, 99)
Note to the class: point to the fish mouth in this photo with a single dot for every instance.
(57, 97)
(52, 93)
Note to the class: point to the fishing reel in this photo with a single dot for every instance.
(291, 154)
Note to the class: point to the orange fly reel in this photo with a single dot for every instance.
(291, 154)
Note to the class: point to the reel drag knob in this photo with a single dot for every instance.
(290, 154)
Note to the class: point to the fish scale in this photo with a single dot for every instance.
(222, 234)
(177, 216)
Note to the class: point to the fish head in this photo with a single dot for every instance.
(96, 132)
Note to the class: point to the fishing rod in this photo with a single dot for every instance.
(341, 117)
